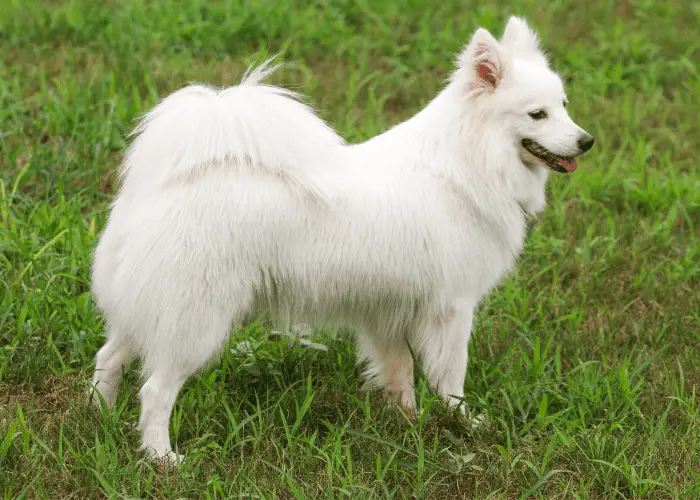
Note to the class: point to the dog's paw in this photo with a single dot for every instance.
(475, 420)
(166, 458)
(406, 404)
(171, 459)
(412, 413)
(174, 459)
(96, 400)
(103, 398)
(463, 411)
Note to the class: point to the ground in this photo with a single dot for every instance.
(585, 362)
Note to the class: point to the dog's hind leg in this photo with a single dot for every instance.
(158, 396)
(389, 364)
(181, 346)
(108, 368)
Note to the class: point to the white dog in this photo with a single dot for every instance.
(241, 201)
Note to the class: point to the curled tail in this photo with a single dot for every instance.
(251, 126)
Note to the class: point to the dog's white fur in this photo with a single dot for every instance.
(241, 201)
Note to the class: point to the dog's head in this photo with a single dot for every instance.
(512, 79)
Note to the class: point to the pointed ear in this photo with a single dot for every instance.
(484, 61)
(519, 38)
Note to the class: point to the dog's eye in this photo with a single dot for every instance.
(565, 103)
(540, 114)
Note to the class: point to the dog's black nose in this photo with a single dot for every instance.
(586, 142)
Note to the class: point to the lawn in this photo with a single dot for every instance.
(585, 361)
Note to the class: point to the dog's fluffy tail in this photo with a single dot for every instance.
(251, 126)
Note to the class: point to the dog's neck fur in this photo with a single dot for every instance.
(442, 139)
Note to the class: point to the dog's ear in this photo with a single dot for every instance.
(485, 59)
(520, 39)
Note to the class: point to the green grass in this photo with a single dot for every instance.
(586, 361)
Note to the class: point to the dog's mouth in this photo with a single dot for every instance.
(562, 164)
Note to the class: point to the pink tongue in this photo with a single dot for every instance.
(568, 166)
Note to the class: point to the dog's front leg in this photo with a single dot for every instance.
(444, 353)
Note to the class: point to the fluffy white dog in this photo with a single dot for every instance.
(241, 201)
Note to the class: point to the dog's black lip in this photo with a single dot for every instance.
(550, 159)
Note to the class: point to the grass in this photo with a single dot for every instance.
(586, 361)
